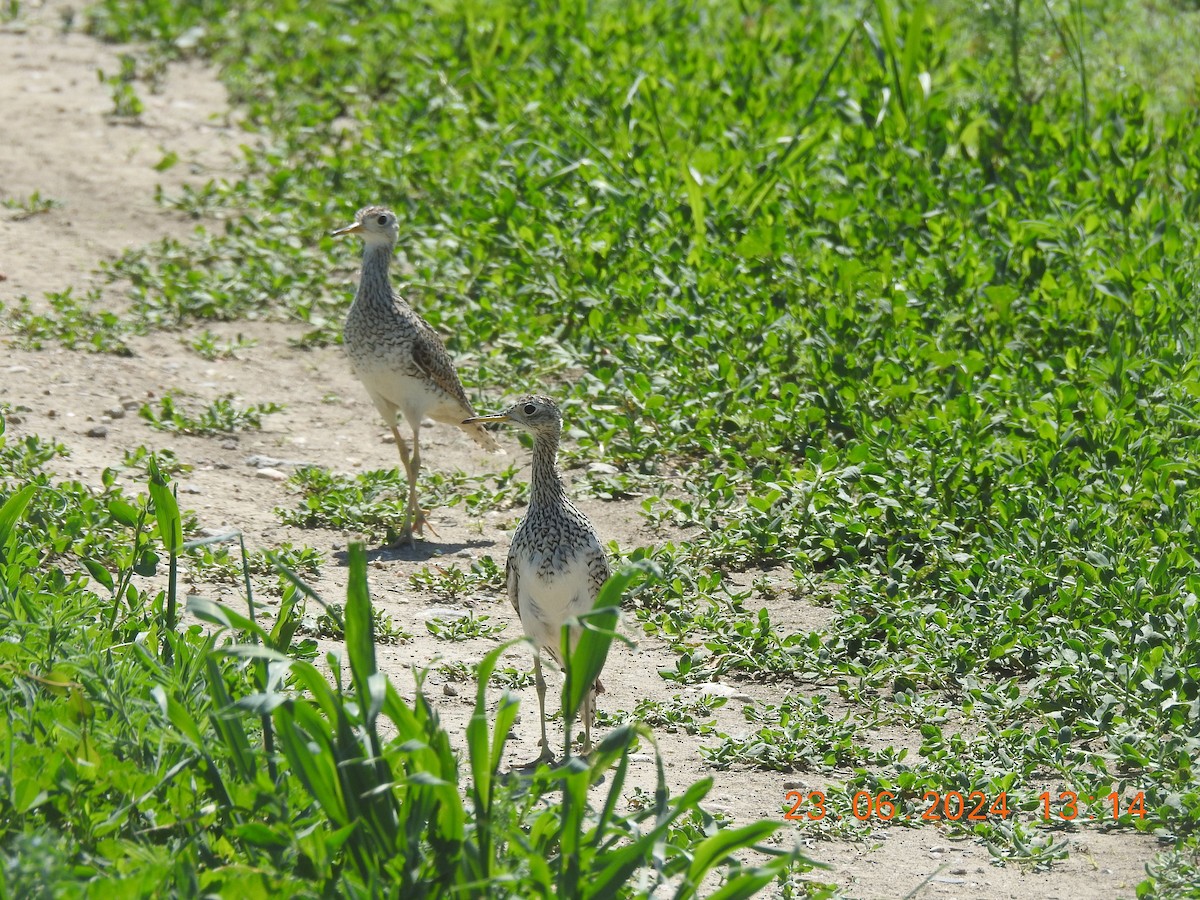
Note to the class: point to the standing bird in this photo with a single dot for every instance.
(556, 565)
(399, 358)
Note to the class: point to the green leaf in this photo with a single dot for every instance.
(10, 512)
(166, 510)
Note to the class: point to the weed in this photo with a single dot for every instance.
(330, 625)
(126, 102)
(33, 205)
(220, 417)
(455, 583)
(798, 735)
(208, 346)
(678, 714)
(72, 324)
(463, 628)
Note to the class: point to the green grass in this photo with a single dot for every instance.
(886, 304)
(222, 416)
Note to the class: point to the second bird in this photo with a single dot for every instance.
(556, 564)
(399, 358)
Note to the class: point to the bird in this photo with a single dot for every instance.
(556, 563)
(400, 359)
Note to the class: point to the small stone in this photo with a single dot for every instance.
(270, 474)
(16, 370)
(793, 785)
(14, 420)
(716, 689)
(129, 403)
(449, 690)
(229, 444)
(191, 489)
(115, 412)
(98, 431)
(959, 871)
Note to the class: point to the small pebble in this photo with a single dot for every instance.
(115, 412)
(958, 871)
(716, 689)
(16, 370)
(129, 403)
(229, 444)
(449, 690)
(97, 431)
(270, 474)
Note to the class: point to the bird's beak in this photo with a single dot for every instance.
(356, 228)
(477, 420)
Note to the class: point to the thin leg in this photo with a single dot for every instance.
(406, 531)
(421, 522)
(588, 712)
(540, 683)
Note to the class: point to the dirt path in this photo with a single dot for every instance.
(58, 141)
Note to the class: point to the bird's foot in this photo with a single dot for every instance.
(404, 541)
(545, 759)
(420, 523)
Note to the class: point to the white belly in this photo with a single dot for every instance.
(413, 397)
(546, 602)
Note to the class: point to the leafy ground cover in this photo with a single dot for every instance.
(909, 317)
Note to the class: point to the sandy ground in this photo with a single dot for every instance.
(57, 139)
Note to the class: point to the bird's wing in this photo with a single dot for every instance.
(598, 569)
(429, 353)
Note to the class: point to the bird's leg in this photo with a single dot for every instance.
(540, 683)
(589, 713)
(406, 532)
(419, 522)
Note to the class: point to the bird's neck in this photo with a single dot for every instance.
(545, 486)
(374, 285)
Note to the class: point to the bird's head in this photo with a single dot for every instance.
(534, 413)
(374, 224)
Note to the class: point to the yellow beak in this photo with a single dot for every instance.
(478, 420)
(356, 228)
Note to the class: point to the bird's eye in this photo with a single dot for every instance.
(383, 220)
(530, 409)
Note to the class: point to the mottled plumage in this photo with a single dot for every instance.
(556, 564)
(398, 357)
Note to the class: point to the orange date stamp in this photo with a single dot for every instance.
(955, 806)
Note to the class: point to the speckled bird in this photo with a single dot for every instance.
(399, 358)
(556, 564)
